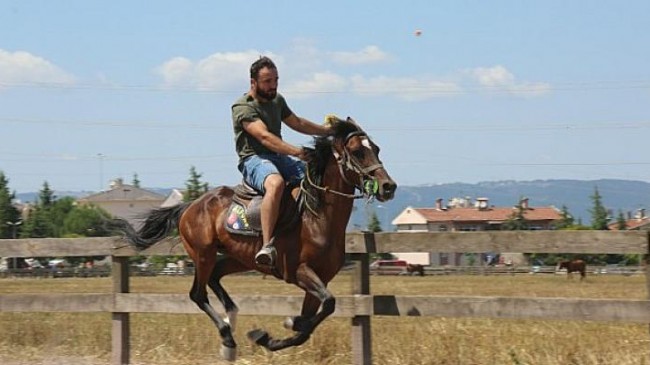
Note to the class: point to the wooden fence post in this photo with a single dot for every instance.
(120, 321)
(646, 262)
(361, 335)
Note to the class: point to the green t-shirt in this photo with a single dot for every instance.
(247, 109)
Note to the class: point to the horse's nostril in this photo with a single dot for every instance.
(389, 187)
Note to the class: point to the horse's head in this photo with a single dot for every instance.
(358, 158)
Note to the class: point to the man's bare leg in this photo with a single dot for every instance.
(274, 187)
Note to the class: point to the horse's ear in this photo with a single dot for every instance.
(354, 123)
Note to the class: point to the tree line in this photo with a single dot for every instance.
(51, 216)
(600, 220)
(61, 217)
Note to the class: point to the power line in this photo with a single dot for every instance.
(40, 157)
(100, 123)
(82, 158)
(425, 127)
(522, 164)
(443, 89)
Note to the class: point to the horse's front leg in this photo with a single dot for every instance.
(310, 318)
(316, 294)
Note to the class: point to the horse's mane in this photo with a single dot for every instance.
(319, 156)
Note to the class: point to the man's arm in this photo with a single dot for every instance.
(258, 130)
(304, 126)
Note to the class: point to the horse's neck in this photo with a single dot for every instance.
(337, 208)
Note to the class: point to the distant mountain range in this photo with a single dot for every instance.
(623, 195)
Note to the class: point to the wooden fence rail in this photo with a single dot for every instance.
(360, 306)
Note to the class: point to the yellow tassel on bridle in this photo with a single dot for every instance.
(331, 120)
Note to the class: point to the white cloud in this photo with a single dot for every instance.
(406, 88)
(302, 75)
(369, 54)
(219, 71)
(493, 76)
(319, 82)
(23, 67)
(177, 71)
(498, 78)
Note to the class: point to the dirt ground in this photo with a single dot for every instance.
(68, 360)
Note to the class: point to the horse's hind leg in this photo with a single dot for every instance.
(205, 265)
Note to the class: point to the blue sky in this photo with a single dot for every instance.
(490, 90)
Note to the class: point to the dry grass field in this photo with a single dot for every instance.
(70, 338)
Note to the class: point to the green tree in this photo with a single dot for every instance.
(599, 216)
(374, 225)
(88, 221)
(567, 220)
(599, 220)
(517, 220)
(621, 222)
(8, 212)
(39, 224)
(136, 181)
(58, 212)
(194, 187)
(46, 196)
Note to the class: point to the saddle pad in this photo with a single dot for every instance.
(239, 222)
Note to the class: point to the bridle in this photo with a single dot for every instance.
(367, 184)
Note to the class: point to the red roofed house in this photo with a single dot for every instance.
(461, 215)
(640, 222)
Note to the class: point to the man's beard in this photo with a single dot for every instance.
(266, 95)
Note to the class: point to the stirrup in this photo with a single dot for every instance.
(266, 256)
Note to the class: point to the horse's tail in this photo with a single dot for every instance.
(158, 224)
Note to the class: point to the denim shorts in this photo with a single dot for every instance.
(256, 168)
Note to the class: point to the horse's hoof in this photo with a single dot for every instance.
(228, 353)
(288, 323)
(259, 337)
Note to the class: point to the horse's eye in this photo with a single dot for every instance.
(358, 154)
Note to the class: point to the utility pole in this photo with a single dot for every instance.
(14, 228)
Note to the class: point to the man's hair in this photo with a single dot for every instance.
(260, 64)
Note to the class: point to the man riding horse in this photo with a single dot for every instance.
(311, 236)
(267, 162)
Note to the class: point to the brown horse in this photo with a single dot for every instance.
(413, 269)
(310, 250)
(574, 266)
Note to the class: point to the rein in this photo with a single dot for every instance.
(328, 190)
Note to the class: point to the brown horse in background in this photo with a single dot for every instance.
(574, 266)
(310, 252)
(415, 269)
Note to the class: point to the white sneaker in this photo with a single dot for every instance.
(266, 256)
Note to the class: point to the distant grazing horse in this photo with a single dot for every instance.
(415, 269)
(574, 266)
(310, 248)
